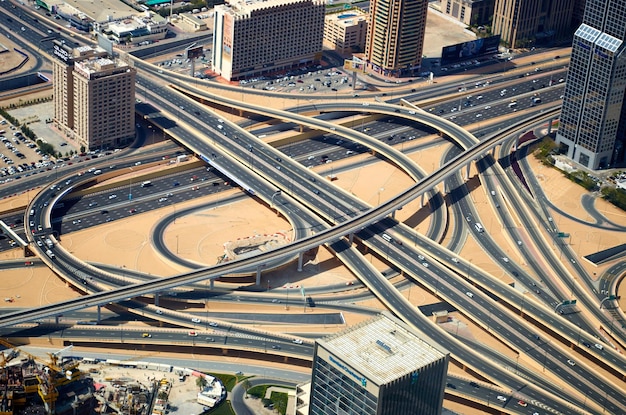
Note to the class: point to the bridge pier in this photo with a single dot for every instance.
(98, 315)
(467, 171)
(258, 275)
(300, 261)
(493, 151)
(156, 299)
(393, 214)
(550, 125)
(56, 319)
(422, 200)
(211, 284)
(351, 238)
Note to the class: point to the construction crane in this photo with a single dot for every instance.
(53, 375)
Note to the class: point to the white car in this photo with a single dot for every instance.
(213, 324)
(571, 362)
(501, 398)
(505, 259)
(488, 107)
(163, 199)
(113, 196)
(195, 320)
(479, 115)
(297, 341)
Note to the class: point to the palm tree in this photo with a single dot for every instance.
(246, 385)
(201, 382)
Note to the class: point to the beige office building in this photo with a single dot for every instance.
(395, 38)
(94, 97)
(254, 37)
(526, 23)
(346, 32)
(470, 12)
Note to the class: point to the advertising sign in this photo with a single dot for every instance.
(469, 50)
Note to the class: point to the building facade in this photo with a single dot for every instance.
(395, 36)
(526, 23)
(346, 32)
(470, 12)
(255, 37)
(94, 97)
(379, 367)
(592, 130)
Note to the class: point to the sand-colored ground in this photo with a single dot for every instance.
(200, 237)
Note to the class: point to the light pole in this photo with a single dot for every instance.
(276, 193)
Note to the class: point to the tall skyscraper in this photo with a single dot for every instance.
(395, 37)
(378, 367)
(94, 97)
(593, 118)
(525, 23)
(252, 37)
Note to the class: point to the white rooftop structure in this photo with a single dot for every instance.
(380, 348)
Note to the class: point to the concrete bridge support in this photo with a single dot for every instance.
(98, 315)
(156, 299)
(467, 171)
(300, 261)
(258, 275)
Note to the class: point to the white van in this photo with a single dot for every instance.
(147, 183)
(479, 227)
(97, 172)
(387, 238)
(512, 104)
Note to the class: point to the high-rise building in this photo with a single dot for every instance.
(378, 367)
(94, 97)
(470, 12)
(592, 129)
(395, 36)
(525, 23)
(253, 37)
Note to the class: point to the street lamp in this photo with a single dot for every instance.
(276, 193)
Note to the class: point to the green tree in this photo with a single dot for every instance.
(246, 385)
(201, 382)
(82, 148)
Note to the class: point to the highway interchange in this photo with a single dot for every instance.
(449, 276)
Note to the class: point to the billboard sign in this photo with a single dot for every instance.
(470, 50)
(193, 52)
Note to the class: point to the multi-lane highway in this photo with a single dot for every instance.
(265, 170)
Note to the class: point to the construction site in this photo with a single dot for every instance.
(30, 385)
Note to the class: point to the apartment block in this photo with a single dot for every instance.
(94, 97)
(253, 37)
(346, 32)
(395, 38)
(592, 131)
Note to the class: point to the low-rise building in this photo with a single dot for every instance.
(133, 29)
(346, 32)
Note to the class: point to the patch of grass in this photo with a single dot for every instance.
(279, 399)
(258, 391)
(229, 381)
(225, 408)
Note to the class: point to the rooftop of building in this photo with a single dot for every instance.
(348, 18)
(99, 64)
(247, 6)
(382, 348)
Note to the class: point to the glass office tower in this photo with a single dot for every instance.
(593, 117)
(379, 367)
